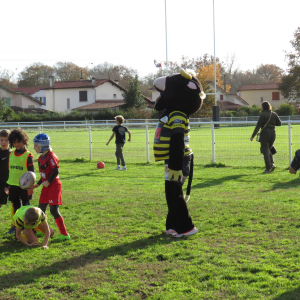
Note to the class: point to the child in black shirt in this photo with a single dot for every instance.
(119, 131)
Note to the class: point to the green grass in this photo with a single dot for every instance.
(247, 246)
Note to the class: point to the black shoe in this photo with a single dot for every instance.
(12, 230)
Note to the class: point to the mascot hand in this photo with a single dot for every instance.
(174, 175)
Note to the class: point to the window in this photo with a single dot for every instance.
(275, 96)
(82, 96)
(30, 106)
(261, 99)
(44, 100)
(68, 103)
(221, 97)
(115, 95)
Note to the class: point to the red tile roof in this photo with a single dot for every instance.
(230, 105)
(264, 86)
(29, 90)
(100, 104)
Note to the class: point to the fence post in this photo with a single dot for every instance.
(147, 144)
(64, 126)
(213, 142)
(290, 142)
(90, 142)
(39, 129)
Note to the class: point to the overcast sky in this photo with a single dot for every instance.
(132, 32)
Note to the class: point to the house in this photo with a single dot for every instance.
(37, 92)
(95, 94)
(227, 101)
(257, 93)
(19, 101)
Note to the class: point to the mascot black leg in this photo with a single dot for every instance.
(178, 217)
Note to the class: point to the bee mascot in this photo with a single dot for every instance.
(180, 96)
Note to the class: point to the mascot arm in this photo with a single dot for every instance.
(176, 151)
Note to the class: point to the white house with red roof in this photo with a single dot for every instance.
(20, 101)
(258, 93)
(95, 94)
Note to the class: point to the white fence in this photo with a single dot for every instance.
(229, 144)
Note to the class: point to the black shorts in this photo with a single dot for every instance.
(16, 194)
(3, 195)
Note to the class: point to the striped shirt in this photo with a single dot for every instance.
(175, 122)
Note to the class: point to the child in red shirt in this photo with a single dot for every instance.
(52, 188)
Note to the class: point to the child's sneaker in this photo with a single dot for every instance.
(12, 230)
(117, 168)
(178, 235)
(62, 237)
(124, 169)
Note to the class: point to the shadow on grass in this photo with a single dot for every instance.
(216, 181)
(295, 183)
(25, 277)
(292, 295)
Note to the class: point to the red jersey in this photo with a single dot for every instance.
(47, 163)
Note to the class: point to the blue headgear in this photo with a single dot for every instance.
(43, 140)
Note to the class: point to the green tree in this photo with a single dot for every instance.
(68, 71)
(132, 96)
(5, 111)
(290, 84)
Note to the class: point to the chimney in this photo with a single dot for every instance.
(81, 79)
(93, 81)
(51, 81)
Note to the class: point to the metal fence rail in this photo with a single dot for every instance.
(229, 143)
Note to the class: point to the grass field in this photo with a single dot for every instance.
(247, 246)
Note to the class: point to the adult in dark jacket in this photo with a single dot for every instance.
(267, 122)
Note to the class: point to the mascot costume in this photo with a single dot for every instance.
(180, 96)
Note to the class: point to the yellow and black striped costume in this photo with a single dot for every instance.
(175, 122)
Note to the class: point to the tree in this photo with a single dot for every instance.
(36, 74)
(6, 78)
(269, 73)
(68, 71)
(290, 83)
(132, 96)
(5, 111)
(118, 72)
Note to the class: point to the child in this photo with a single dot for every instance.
(120, 131)
(20, 161)
(27, 218)
(52, 188)
(4, 156)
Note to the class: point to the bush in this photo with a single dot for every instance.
(286, 109)
(255, 110)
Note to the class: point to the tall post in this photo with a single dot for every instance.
(213, 143)
(290, 141)
(216, 115)
(147, 144)
(167, 63)
(90, 142)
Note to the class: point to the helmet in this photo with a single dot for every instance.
(43, 140)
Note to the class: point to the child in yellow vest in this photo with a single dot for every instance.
(27, 218)
(20, 161)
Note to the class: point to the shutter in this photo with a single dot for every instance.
(44, 100)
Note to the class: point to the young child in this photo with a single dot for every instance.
(20, 161)
(4, 156)
(52, 188)
(27, 218)
(120, 131)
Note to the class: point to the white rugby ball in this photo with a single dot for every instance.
(27, 180)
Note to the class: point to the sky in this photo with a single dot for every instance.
(132, 32)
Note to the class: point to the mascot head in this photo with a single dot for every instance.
(181, 92)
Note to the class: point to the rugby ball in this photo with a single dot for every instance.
(100, 165)
(27, 180)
